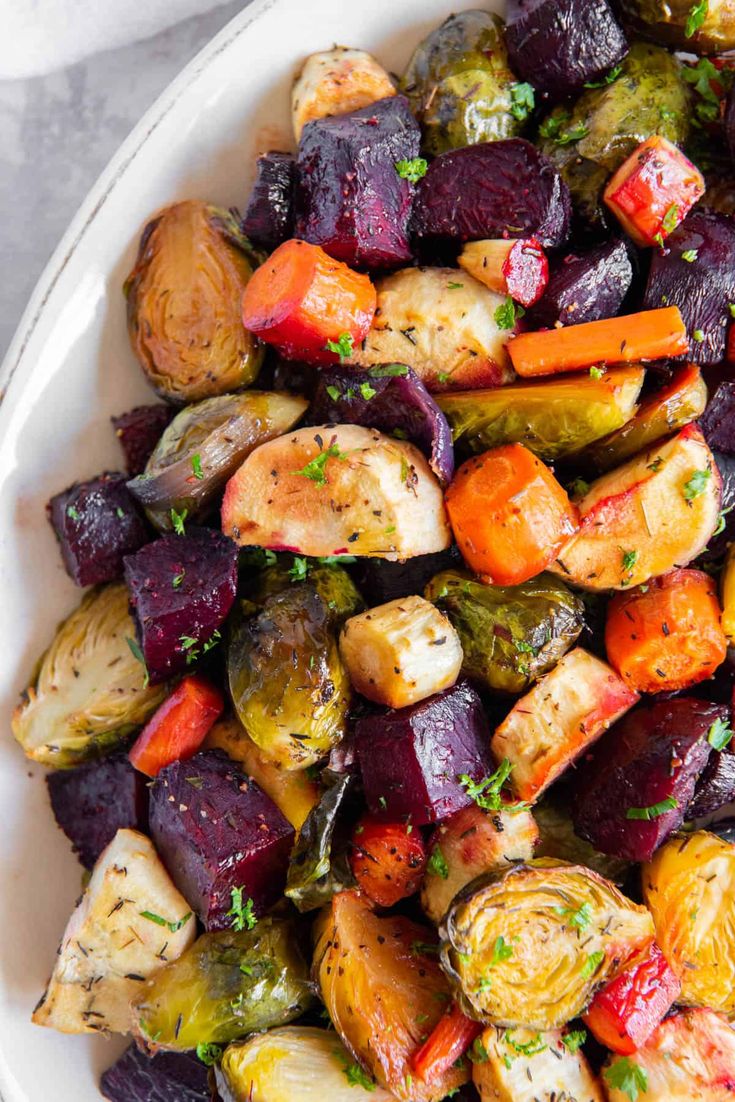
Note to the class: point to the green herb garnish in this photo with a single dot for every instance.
(654, 811)
(412, 170)
(196, 466)
(719, 734)
(507, 314)
(437, 864)
(342, 347)
(625, 1076)
(315, 469)
(241, 913)
(177, 521)
(696, 485)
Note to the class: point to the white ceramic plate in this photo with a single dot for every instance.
(68, 370)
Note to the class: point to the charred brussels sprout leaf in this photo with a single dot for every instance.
(184, 297)
(319, 863)
(510, 635)
(225, 986)
(693, 25)
(92, 689)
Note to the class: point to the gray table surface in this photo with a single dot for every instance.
(57, 133)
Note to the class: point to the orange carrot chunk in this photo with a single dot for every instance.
(666, 635)
(177, 730)
(453, 1034)
(387, 859)
(509, 514)
(650, 335)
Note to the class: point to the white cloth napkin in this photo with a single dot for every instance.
(39, 36)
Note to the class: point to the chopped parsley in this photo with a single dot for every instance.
(579, 487)
(120, 513)
(611, 77)
(73, 513)
(507, 314)
(412, 170)
(574, 1040)
(177, 579)
(522, 101)
(698, 335)
(478, 1054)
(437, 864)
(719, 734)
(487, 792)
(299, 570)
(315, 468)
(137, 653)
(208, 1052)
(628, 561)
(626, 1076)
(356, 1076)
(671, 219)
(174, 927)
(454, 286)
(196, 466)
(690, 255)
(654, 811)
(388, 371)
(367, 392)
(697, 15)
(530, 1048)
(696, 485)
(596, 373)
(177, 521)
(242, 913)
(342, 347)
(578, 917)
(593, 962)
(501, 952)
(334, 393)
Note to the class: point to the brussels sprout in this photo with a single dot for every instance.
(203, 446)
(607, 124)
(696, 27)
(460, 86)
(184, 297)
(529, 946)
(510, 635)
(333, 584)
(553, 418)
(558, 840)
(319, 864)
(91, 690)
(226, 985)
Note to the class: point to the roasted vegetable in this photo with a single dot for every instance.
(387, 860)
(460, 86)
(689, 887)
(446, 1045)
(184, 296)
(718, 421)
(653, 191)
(92, 802)
(268, 220)
(516, 268)
(554, 418)
(340, 490)
(319, 865)
(168, 1077)
(129, 914)
(510, 635)
(228, 984)
(383, 993)
(330, 580)
(625, 1013)
(203, 447)
(526, 1066)
(444, 324)
(91, 691)
(181, 589)
(716, 783)
(585, 286)
(337, 82)
(470, 843)
(138, 431)
(528, 947)
(557, 838)
(221, 838)
(487, 176)
(353, 197)
(381, 581)
(295, 1062)
(412, 759)
(178, 728)
(695, 27)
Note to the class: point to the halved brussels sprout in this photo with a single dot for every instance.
(510, 635)
(689, 887)
(184, 296)
(528, 947)
(204, 445)
(695, 27)
(91, 690)
(227, 984)
(333, 584)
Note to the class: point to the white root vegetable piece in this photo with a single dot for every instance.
(109, 946)
(334, 82)
(555, 722)
(441, 322)
(401, 652)
(655, 512)
(339, 490)
(517, 268)
(690, 1058)
(473, 842)
(525, 1066)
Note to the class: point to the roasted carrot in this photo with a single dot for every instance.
(178, 728)
(666, 635)
(624, 1014)
(308, 305)
(650, 335)
(450, 1038)
(509, 514)
(387, 859)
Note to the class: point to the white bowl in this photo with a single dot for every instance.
(68, 370)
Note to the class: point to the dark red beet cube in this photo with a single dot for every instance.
(718, 420)
(715, 787)
(97, 523)
(181, 590)
(586, 287)
(268, 219)
(139, 431)
(215, 830)
(411, 758)
(166, 1077)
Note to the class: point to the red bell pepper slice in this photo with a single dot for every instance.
(624, 1014)
(453, 1034)
(177, 729)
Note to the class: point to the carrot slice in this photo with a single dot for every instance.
(666, 636)
(650, 335)
(448, 1041)
(388, 860)
(509, 514)
(178, 728)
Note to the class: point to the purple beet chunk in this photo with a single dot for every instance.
(586, 287)
(718, 420)
(729, 122)
(92, 802)
(655, 753)
(394, 403)
(381, 581)
(268, 220)
(97, 523)
(494, 189)
(166, 1077)
(702, 288)
(411, 758)
(561, 45)
(715, 787)
(215, 830)
(350, 198)
(181, 588)
(139, 431)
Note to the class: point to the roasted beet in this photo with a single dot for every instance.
(96, 523)
(585, 287)
(561, 45)
(390, 398)
(139, 431)
(351, 199)
(718, 420)
(380, 580)
(635, 787)
(216, 830)
(268, 220)
(167, 1077)
(92, 802)
(696, 272)
(181, 589)
(496, 189)
(729, 122)
(715, 787)
(411, 758)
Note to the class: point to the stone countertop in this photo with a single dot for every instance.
(57, 133)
